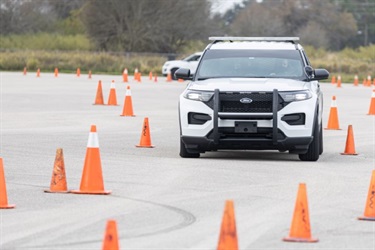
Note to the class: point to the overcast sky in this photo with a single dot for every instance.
(223, 5)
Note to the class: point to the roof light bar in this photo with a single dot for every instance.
(265, 39)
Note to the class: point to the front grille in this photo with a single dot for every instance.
(261, 102)
(262, 133)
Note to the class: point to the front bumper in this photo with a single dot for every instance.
(272, 131)
(201, 144)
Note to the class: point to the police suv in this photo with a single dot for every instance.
(252, 93)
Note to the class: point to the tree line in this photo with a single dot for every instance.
(166, 26)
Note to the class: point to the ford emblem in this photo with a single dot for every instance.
(246, 100)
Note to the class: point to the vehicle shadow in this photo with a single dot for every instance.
(251, 155)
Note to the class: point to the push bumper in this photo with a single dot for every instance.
(298, 145)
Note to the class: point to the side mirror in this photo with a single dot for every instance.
(184, 74)
(321, 74)
(309, 72)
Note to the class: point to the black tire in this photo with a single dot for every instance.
(313, 152)
(184, 152)
(321, 139)
(172, 73)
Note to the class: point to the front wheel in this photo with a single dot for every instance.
(321, 139)
(313, 152)
(184, 153)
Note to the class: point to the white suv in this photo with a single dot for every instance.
(252, 93)
(190, 62)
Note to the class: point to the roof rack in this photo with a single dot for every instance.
(216, 39)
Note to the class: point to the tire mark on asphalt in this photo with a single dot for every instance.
(187, 220)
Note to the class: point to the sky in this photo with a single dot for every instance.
(221, 6)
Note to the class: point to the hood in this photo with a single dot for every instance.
(248, 84)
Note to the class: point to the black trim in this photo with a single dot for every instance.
(297, 145)
(245, 116)
(274, 117)
(216, 116)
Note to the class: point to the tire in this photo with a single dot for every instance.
(172, 73)
(321, 139)
(184, 152)
(313, 152)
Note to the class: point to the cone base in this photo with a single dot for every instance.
(292, 239)
(98, 104)
(103, 192)
(112, 105)
(366, 218)
(9, 206)
(348, 153)
(128, 115)
(370, 114)
(53, 191)
(142, 146)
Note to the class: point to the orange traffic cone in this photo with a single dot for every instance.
(169, 77)
(112, 99)
(368, 84)
(228, 233)
(135, 74)
(300, 228)
(99, 95)
(128, 104)
(92, 177)
(78, 72)
(145, 141)
(372, 104)
(110, 241)
(3, 191)
(139, 77)
(333, 120)
(369, 213)
(350, 147)
(339, 81)
(24, 71)
(150, 76)
(180, 80)
(38, 72)
(355, 80)
(156, 78)
(333, 80)
(56, 72)
(90, 74)
(58, 180)
(125, 75)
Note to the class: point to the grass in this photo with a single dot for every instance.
(69, 61)
(68, 52)
(46, 41)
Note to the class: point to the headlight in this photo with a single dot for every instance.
(166, 64)
(293, 96)
(202, 96)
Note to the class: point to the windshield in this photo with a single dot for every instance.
(193, 57)
(251, 63)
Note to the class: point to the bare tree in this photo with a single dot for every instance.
(145, 25)
(25, 16)
(258, 20)
(331, 28)
(308, 35)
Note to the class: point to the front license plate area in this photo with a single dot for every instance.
(245, 127)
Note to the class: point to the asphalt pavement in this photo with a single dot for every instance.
(159, 200)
